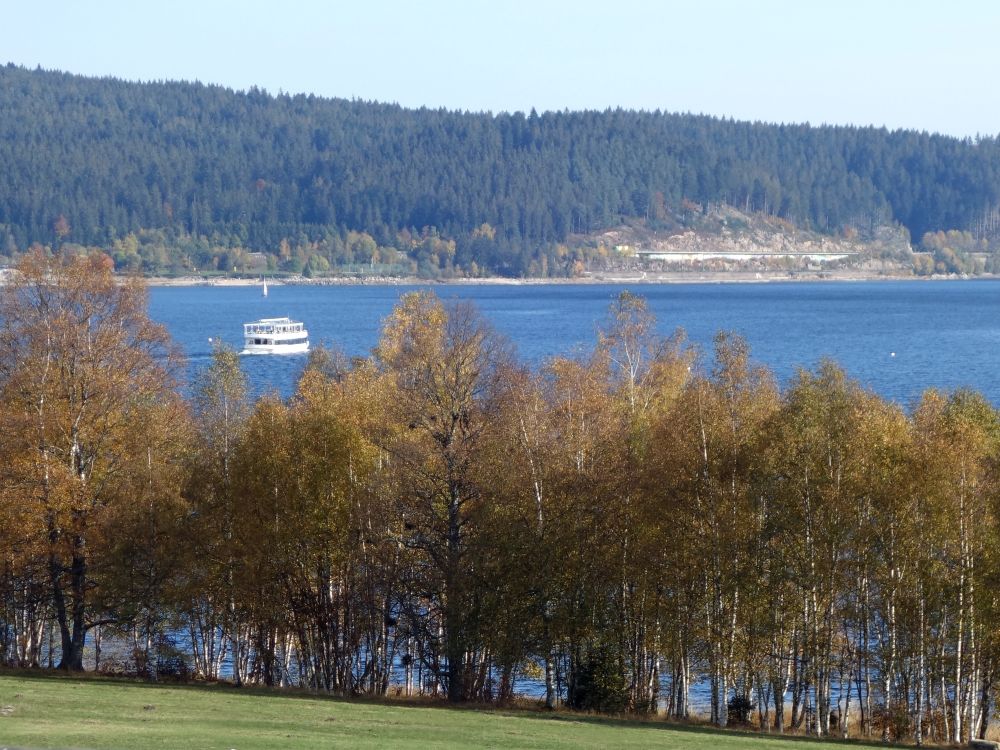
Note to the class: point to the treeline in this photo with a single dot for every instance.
(89, 161)
(955, 252)
(437, 518)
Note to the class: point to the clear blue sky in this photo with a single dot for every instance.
(929, 65)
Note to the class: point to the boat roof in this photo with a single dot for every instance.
(272, 320)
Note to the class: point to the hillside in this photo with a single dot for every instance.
(172, 177)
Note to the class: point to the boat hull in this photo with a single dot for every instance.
(276, 348)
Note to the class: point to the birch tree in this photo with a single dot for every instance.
(221, 407)
(960, 436)
(82, 369)
(445, 364)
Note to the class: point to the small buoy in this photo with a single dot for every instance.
(892, 354)
(210, 341)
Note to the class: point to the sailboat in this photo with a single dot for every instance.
(264, 282)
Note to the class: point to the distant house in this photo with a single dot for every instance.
(256, 262)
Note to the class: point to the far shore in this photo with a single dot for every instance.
(603, 277)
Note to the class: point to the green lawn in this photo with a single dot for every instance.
(45, 711)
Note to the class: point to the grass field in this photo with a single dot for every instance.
(44, 711)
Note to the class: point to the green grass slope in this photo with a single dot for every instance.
(42, 711)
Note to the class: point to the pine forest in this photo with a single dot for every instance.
(173, 178)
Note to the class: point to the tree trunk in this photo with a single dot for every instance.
(72, 628)
(921, 672)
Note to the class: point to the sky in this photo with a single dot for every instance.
(916, 64)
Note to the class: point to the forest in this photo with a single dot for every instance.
(181, 177)
(619, 529)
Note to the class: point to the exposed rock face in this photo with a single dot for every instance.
(725, 238)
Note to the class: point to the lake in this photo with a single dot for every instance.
(896, 337)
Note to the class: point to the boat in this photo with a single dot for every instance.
(275, 336)
(264, 282)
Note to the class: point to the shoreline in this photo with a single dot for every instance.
(608, 277)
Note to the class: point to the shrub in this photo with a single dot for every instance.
(739, 709)
(600, 683)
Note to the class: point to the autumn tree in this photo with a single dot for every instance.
(708, 453)
(315, 545)
(221, 407)
(523, 491)
(445, 364)
(83, 375)
(958, 438)
(645, 374)
(144, 569)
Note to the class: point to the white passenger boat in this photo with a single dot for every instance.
(275, 336)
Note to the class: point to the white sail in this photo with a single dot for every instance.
(264, 281)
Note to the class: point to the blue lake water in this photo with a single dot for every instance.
(944, 334)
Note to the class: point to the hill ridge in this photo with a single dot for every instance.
(441, 192)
